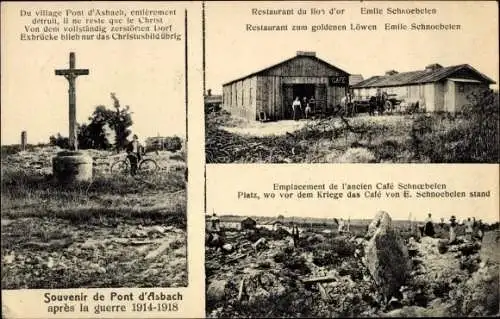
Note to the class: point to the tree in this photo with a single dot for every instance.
(59, 140)
(172, 143)
(120, 121)
(107, 127)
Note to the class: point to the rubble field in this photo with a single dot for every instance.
(259, 273)
(57, 253)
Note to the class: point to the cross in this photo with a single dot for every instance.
(70, 75)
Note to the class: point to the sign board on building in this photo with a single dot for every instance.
(337, 80)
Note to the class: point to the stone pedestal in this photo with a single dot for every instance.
(72, 166)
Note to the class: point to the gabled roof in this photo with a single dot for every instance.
(262, 71)
(419, 77)
(248, 219)
(355, 79)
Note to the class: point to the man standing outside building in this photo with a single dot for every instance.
(134, 154)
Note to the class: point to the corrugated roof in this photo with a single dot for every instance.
(418, 77)
(283, 62)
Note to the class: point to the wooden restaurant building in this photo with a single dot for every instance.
(268, 94)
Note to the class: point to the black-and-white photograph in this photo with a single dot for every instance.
(303, 88)
(93, 163)
(390, 264)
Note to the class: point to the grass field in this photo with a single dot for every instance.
(103, 230)
(415, 138)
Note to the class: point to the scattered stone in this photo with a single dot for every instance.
(386, 255)
(443, 246)
(258, 297)
(50, 263)
(139, 233)
(157, 229)
(90, 245)
(216, 290)
(469, 248)
(227, 247)
(260, 244)
(160, 250)
(8, 259)
(6, 222)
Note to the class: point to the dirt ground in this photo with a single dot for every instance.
(259, 129)
(116, 231)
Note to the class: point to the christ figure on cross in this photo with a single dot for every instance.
(70, 75)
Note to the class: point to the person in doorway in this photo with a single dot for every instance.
(134, 154)
(296, 108)
(308, 111)
(303, 105)
(312, 104)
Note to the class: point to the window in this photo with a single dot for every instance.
(460, 87)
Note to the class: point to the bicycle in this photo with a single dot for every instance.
(144, 166)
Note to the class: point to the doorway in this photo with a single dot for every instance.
(303, 90)
(291, 91)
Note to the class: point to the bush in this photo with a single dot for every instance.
(343, 247)
(58, 140)
(297, 263)
(321, 258)
(472, 136)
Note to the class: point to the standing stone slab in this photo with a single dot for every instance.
(386, 255)
(24, 140)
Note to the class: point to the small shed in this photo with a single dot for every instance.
(435, 88)
(269, 93)
(248, 223)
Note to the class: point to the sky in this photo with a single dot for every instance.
(146, 75)
(225, 181)
(232, 52)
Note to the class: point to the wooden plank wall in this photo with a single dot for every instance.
(240, 98)
(252, 95)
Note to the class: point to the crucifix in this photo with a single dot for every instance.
(70, 75)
